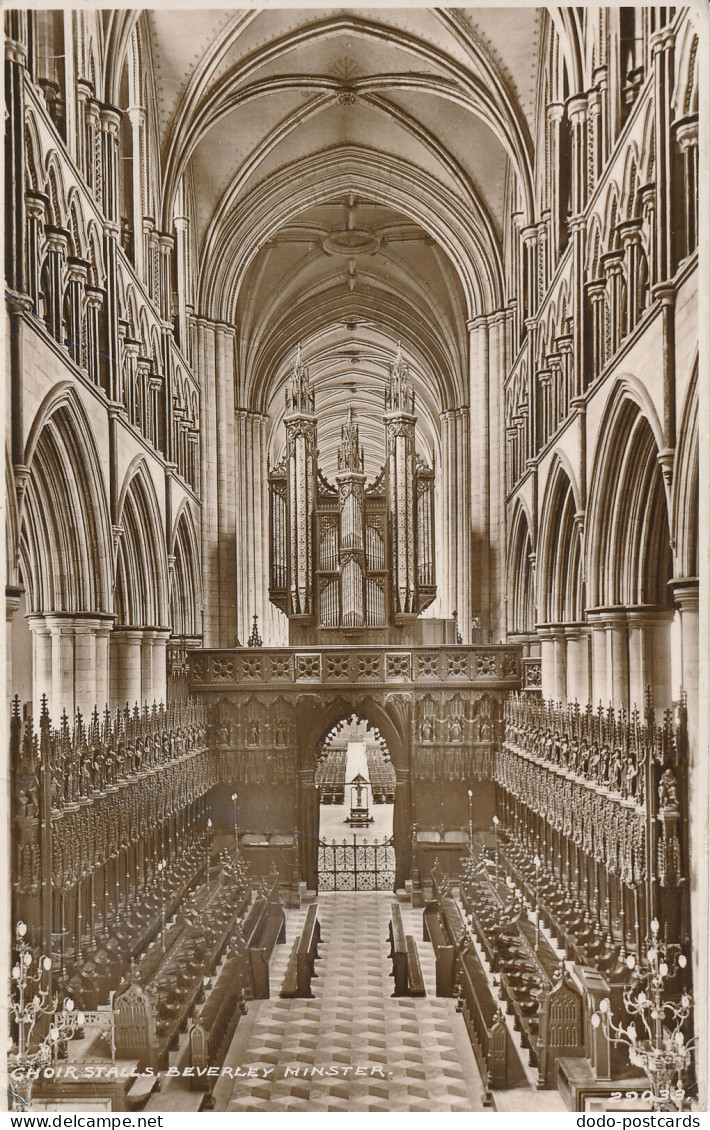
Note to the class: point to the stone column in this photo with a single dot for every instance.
(166, 245)
(77, 275)
(686, 593)
(146, 672)
(224, 380)
(184, 280)
(15, 63)
(577, 114)
(41, 665)
(662, 55)
(137, 117)
(127, 378)
(497, 371)
(463, 533)
(530, 296)
(126, 667)
(596, 292)
(555, 114)
(36, 209)
(308, 815)
(667, 296)
(617, 658)
(630, 235)
(94, 305)
(144, 368)
(85, 666)
(204, 364)
(548, 659)
(13, 596)
(57, 243)
(448, 581)
(686, 132)
(102, 645)
(63, 695)
(159, 689)
(544, 421)
(599, 678)
(479, 400)
(578, 646)
(402, 828)
(559, 658)
(613, 269)
(110, 119)
(649, 649)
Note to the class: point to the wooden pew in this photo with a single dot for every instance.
(444, 951)
(301, 966)
(561, 1030)
(211, 1032)
(415, 978)
(270, 930)
(496, 1054)
(398, 951)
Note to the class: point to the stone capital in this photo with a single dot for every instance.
(686, 593)
(686, 131)
(110, 118)
(577, 108)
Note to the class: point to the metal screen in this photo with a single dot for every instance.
(364, 866)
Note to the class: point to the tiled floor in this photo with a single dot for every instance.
(413, 1053)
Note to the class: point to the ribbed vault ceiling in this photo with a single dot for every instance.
(348, 170)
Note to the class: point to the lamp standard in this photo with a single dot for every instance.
(496, 822)
(209, 848)
(236, 826)
(470, 821)
(161, 880)
(655, 1039)
(538, 863)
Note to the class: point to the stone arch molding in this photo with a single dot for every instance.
(149, 584)
(318, 715)
(202, 105)
(236, 237)
(70, 504)
(625, 540)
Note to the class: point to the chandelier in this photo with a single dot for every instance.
(654, 1037)
(39, 1029)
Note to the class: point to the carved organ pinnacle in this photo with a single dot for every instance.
(348, 555)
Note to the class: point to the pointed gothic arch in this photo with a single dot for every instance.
(141, 562)
(628, 552)
(685, 499)
(63, 519)
(185, 580)
(521, 580)
(559, 553)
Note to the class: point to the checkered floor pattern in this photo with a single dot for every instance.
(413, 1053)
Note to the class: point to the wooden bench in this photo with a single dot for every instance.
(444, 951)
(496, 1054)
(212, 1031)
(269, 930)
(301, 966)
(415, 979)
(398, 951)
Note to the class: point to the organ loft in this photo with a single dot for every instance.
(356, 755)
(350, 554)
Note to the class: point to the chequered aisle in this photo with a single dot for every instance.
(420, 1044)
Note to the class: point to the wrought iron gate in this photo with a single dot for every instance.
(357, 866)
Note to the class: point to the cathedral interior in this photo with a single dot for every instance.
(352, 559)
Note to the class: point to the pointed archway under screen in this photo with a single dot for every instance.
(316, 719)
(356, 784)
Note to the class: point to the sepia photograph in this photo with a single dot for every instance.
(355, 747)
